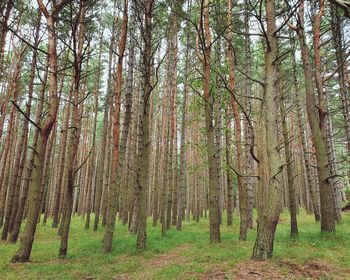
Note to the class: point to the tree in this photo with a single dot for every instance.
(35, 188)
(143, 165)
(183, 174)
(78, 31)
(317, 115)
(270, 168)
(204, 46)
(238, 131)
(112, 195)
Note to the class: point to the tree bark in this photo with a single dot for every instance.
(143, 166)
(113, 190)
(229, 195)
(270, 168)
(205, 57)
(319, 130)
(35, 194)
(243, 228)
(74, 133)
(10, 138)
(102, 159)
(183, 173)
(249, 166)
(28, 172)
(293, 207)
(317, 116)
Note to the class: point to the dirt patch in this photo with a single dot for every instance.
(277, 270)
(149, 267)
(257, 270)
(215, 274)
(314, 270)
(122, 277)
(165, 259)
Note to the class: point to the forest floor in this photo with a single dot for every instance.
(185, 255)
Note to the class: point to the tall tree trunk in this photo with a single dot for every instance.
(344, 89)
(134, 202)
(102, 159)
(28, 172)
(333, 168)
(229, 195)
(317, 116)
(74, 133)
(217, 131)
(156, 175)
(107, 175)
(12, 91)
(172, 104)
(3, 194)
(183, 173)
(113, 190)
(320, 133)
(93, 157)
(127, 124)
(249, 182)
(35, 194)
(270, 168)
(10, 138)
(310, 183)
(100, 168)
(205, 57)
(293, 208)
(60, 180)
(143, 166)
(238, 131)
(166, 157)
(128, 106)
(4, 30)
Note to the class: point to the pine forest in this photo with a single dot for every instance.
(175, 139)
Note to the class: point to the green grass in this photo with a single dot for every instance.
(180, 255)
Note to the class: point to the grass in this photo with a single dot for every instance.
(179, 255)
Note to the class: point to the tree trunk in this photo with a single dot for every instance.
(319, 131)
(229, 195)
(205, 57)
(60, 180)
(293, 208)
(310, 183)
(333, 168)
(74, 133)
(183, 173)
(172, 105)
(12, 92)
(35, 187)
(270, 169)
(102, 173)
(93, 157)
(143, 166)
(338, 40)
(4, 30)
(28, 172)
(15, 169)
(157, 176)
(113, 190)
(238, 130)
(317, 119)
(249, 182)
(166, 159)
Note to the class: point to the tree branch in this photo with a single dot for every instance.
(27, 117)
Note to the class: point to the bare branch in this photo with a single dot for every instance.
(25, 115)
